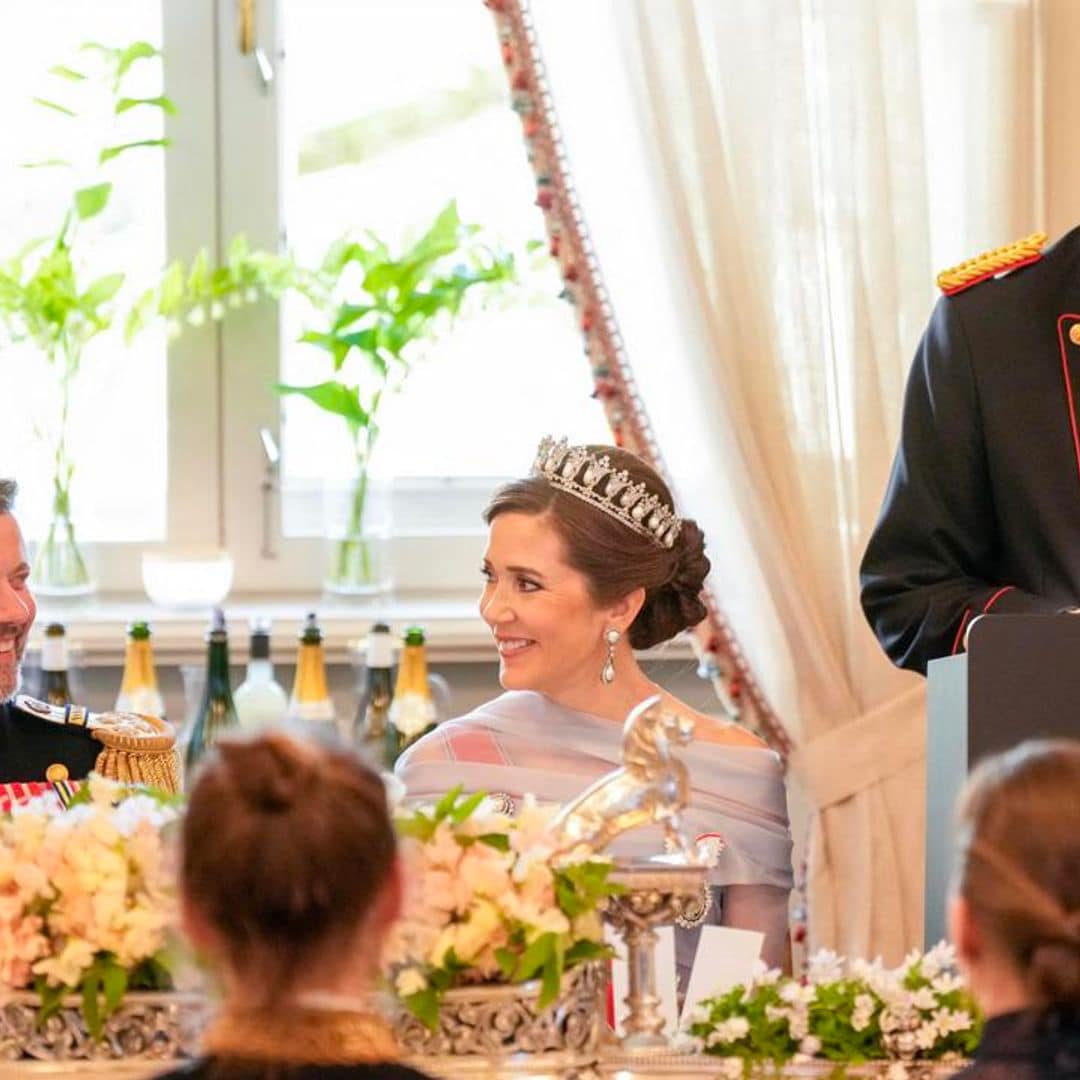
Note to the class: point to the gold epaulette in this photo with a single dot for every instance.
(137, 749)
(991, 263)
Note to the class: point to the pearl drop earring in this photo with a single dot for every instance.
(607, 675)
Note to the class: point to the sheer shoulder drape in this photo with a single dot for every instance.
(769, 186)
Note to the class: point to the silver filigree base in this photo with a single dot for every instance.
(673, 1066)
(505, 1020)
(155, 1026)
(657, 893)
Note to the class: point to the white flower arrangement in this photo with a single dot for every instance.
(87, 897)
(842, 1012)
(488, 903)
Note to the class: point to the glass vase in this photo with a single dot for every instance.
(59, 567)
(358, 530)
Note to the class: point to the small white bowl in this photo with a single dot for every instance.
(186, 578)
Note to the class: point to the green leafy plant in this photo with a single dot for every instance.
(374, 311)
(46, 296)
(377, 308)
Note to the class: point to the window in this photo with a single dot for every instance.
(384, 111)
(368, 114)
(117, 433)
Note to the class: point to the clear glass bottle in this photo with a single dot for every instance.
(310, 704)
(372, 715)
(139, 691)
(412, 712)
(217, 713)
(260, 699)
(55, 688)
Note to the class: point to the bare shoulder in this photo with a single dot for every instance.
(709, 729)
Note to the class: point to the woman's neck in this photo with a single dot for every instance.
(345, 990)
(998, 990)
(611, 701)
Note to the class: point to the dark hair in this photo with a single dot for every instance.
(286, 846)
(8, 490)
(1018, 863)
(614, 559)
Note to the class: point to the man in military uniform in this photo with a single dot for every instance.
(982, 511)
(42, 744)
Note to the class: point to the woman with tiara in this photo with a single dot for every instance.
(587, 561)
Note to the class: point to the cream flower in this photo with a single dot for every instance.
(410, 980)
(474, 934)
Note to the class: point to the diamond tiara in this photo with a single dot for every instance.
(594, 480)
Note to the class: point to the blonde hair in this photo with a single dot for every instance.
(1018, 862)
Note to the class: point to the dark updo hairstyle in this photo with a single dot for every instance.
(286, 847)
(614, 559)
(1018, 863)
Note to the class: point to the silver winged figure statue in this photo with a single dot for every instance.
(651, 787)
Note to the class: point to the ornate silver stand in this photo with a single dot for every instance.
(156, 1026)
(657, 893)
(490, 1024)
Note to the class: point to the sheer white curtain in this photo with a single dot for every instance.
(769, 186)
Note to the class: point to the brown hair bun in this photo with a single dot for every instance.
(286, 847)
(676, 605)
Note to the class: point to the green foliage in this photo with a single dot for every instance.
(102, 989)
(44, 296)
(378, 306)
(846, 1018)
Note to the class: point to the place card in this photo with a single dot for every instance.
(725, 958)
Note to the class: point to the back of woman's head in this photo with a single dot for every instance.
(287, 847)
(613, 558)
(1018, 863)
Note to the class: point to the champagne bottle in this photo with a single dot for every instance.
(54, 666)
(372, 716)
(412, 712)
(216, 712)
(310, 704)
(139, 686)
(260, 699)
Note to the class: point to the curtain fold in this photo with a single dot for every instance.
(755, 176)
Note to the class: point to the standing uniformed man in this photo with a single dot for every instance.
(42, 744)
(982, 511)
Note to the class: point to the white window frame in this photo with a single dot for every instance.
(217, 466)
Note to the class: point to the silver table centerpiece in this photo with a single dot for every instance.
(651, 787)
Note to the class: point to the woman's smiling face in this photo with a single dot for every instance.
(548, 628)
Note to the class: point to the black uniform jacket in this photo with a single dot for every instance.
(31, 742)
(982, 511)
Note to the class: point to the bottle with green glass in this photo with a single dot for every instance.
(217, 713)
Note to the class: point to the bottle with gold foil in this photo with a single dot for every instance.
(216, 714)
(310, 704)
(412, 712)
(55, 688)
(139, 691)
